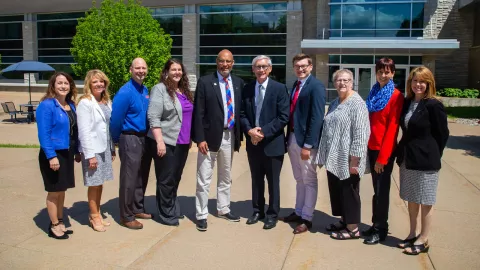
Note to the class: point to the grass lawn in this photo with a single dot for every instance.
(9, 145)
(463, 112)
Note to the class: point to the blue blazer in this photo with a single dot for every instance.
(309, 112)
(53, 127)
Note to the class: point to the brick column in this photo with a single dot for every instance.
(29, 32)
(294, 38)
(190, 46)
(322, 68)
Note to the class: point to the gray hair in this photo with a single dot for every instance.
(261, 57)
(342, 71)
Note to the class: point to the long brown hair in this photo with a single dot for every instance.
(183, 84)
(424, 74)
(71, 96)
(87, 90)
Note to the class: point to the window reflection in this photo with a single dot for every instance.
(247, 30)
(11, 44)
(376, 19)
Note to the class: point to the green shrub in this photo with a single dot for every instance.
(470, 93)
(458, 93)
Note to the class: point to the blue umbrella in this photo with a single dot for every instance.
(28, 66)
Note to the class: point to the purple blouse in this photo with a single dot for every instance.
(187, 110)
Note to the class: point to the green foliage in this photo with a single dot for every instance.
(459, 93)
(110, 37)
(470, 93)
(9, 145)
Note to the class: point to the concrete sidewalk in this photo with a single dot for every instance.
(24, 244)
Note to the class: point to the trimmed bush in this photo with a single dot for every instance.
(458, 93)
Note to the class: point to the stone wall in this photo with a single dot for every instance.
(190, 47)
(443, 20)
(294, 38)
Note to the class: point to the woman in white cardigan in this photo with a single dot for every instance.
(98, 151)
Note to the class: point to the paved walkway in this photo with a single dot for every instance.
(24, 244)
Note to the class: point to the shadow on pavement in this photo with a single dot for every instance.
(470, 144)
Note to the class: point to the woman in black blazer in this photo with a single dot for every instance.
(425, 133)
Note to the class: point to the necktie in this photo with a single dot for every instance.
(294, 102)
(259, 103)
(228, 95)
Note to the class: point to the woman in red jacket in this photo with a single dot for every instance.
(385, 104)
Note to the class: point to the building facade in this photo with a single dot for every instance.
(441, 34)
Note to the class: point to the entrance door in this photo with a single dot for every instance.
(400, 79)
(363, 79)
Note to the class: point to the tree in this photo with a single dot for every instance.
(110, 37)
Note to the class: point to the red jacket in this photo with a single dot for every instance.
(384, 127)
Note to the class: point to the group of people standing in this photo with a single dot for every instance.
(352, 138)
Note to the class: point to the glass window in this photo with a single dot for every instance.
(60, 16)
(57, 29)
(247, 30)
(415, 60)
(11, 43)
(357, 59)
(374, 18)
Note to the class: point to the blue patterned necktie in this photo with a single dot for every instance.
(228, 94)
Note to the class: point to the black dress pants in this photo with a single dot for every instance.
(381, 190)
(261, 166)
(168, 171)
(134, 171)
(345, 197)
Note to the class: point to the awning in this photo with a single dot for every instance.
(379, 46)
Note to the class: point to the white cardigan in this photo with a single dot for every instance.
(92, 127)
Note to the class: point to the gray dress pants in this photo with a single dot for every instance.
(134, 171)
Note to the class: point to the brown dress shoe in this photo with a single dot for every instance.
(303, 227)
(143, 216)
(134, 224)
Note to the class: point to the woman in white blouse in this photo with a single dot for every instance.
(343, 152)
(98, 152)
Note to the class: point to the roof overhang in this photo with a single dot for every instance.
(378, 46)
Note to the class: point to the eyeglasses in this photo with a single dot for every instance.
(343, 80)
(301, 67)
(222, 61)
(261, 67)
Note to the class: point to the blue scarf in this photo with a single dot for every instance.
(379, 97)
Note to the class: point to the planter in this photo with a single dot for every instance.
(460, 102)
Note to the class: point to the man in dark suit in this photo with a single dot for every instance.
(216, 130)
(264, 115)
(307, 109)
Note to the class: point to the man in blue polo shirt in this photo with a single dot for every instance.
(128, 126)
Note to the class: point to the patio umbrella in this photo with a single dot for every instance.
(28, 66)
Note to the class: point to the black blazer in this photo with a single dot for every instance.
(422, 143)
(208, 112)
(273, 118)
(309, 112)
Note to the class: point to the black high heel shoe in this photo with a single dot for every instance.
(60, 221)
(53, 235)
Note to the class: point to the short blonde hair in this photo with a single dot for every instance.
(87, 90)
(424, 74)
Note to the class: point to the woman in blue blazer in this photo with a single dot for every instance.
(57, 133)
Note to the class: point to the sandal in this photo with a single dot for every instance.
(333, 226)
(350, 234)
(52, 234)
(407, 242)
(60, 221)
(417, 249)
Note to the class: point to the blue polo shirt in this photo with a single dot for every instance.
(129, 110)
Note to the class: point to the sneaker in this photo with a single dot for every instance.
(230, 217)
(202, 225)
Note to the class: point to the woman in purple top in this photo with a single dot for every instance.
(170, 117)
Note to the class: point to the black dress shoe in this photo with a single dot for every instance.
(202, 225)
(230, 217)
(60, 220)
(270, 223)
(369, 231)
(255, 218)
(293, 217)
(181, 217)
(379, 235)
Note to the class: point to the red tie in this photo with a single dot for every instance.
(294, 102)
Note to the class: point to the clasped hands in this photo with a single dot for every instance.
(256, 135)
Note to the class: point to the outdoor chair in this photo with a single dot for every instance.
(9, 107)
